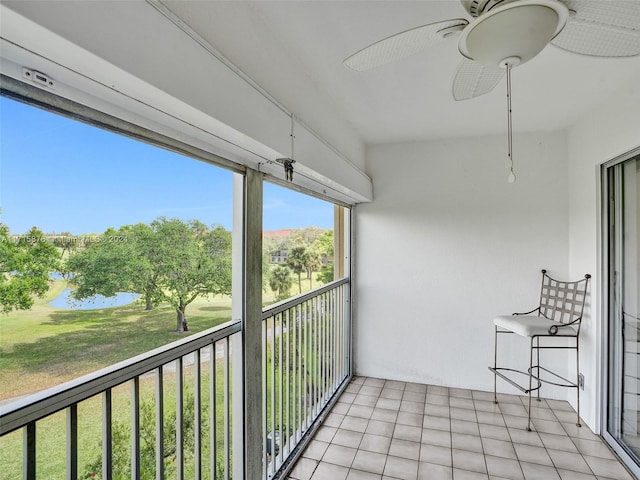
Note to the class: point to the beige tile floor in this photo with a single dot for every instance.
(384, 430)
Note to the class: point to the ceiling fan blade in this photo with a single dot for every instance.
(402, 45)
(473, 79)
(601, 29)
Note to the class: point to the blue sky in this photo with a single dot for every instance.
(62, 175)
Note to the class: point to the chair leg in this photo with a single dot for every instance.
(495, 365)
(530, 383)
(578, 423)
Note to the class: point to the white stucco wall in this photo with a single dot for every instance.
(598, 137)
(446, 245)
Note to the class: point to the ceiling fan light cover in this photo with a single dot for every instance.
(517, 30)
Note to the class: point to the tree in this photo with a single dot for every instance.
(117, 261)
(270, 245)
(307, 235)
(297, 261)
(313, 263)
(142, 274)
(66, 242)
(121, 443)
(280, 282)
(25, 264)
(99, 268)
(324, 243)
(169, 260)
(266, 270)
(191, 263)
(325, 247)
(326, 274)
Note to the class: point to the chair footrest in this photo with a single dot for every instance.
(502, 373)
(566, 383)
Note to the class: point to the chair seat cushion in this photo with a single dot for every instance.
(530, 325)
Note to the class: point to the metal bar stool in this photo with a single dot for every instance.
(558, 315)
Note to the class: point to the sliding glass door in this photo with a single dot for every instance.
(622, 188)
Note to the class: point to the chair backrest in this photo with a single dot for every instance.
(563, 301)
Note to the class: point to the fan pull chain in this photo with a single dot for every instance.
(292, 136)
(512, 176)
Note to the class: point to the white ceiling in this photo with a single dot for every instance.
(295, 49)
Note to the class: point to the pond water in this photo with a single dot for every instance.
(59, 276)
(96, 302)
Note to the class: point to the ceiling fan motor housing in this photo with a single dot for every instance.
(475, 8)
(513, 32)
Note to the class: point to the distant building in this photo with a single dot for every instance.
(281, 254)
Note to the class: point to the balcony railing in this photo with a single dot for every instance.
(169, 412)
(193, 374)
(305, 360)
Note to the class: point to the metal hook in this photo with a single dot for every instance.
(288, 168)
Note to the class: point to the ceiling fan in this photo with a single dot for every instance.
(508, 33)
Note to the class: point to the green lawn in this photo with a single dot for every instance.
(46, 346)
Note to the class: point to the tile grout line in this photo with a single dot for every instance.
(475, 412)
(450, 431)
(571, 439)
(386, 459)
(512, 442)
